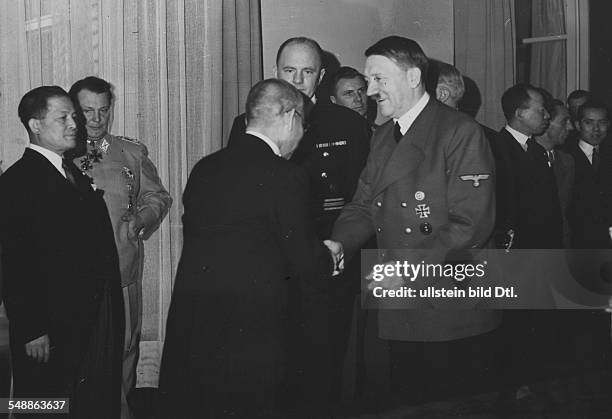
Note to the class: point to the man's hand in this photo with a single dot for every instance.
(390, 282)
(38, 349)
(135, 226)
(337, 253)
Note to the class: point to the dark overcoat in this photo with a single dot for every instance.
(247, 235)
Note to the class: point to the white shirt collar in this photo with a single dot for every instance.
(587, 149)
(266, 140)
(405, 121)
(518, 136)
(54, 158)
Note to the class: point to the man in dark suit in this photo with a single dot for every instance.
(560, 161)
(333, 152)
(60, 266)
(528, 209)
(428, 184)
(247, 236)
(590, 221)
(591, 214)
(529, 216)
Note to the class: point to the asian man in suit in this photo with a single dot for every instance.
(60, 267)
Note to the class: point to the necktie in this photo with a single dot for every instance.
(550, 155)
(595, 158)
(397, 132)
(68, 171)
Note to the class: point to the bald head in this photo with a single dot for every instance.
(270, 98)
(299, 61)
(275, 109)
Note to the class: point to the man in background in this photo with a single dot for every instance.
(137, 203)
(349, 88)
(592, 204)
(450, 87)
(574, 101)
(561, 162)
(333, 152)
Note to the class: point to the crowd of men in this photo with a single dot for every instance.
(265, 308)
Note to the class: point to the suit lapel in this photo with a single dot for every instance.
(49, 173)
(407, 155)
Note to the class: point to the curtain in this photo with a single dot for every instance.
(484, 53)
(181, 70)
(548, 18)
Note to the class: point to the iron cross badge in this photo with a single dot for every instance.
(422, 210)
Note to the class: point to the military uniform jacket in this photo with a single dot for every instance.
(131, 184)
(432, 190)
(333, 152)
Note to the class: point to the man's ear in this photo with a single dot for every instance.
(576, 125)
(275, 71)
(332, 99)
(442, 93)
(518, 113)
(414, 77)
(34, 125)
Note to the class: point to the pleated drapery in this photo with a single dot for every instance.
(485, 52)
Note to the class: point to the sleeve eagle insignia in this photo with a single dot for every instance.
(475, 179)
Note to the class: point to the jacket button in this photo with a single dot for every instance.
(379, 204)
(404, 205)
(426, 228)
(323, 175)
(378, 229)
(408, 230)
(325, 154)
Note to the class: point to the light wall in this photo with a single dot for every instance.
(347, 27)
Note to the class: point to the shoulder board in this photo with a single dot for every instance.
(131, 140)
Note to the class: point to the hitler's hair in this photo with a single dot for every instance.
(515, 98)
(270, 98)
(93, 84)
(345, 73)
(301, 40)
(404, 52)
(34, 104)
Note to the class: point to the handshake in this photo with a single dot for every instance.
(337, 254)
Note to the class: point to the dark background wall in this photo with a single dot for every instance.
(600, 17)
